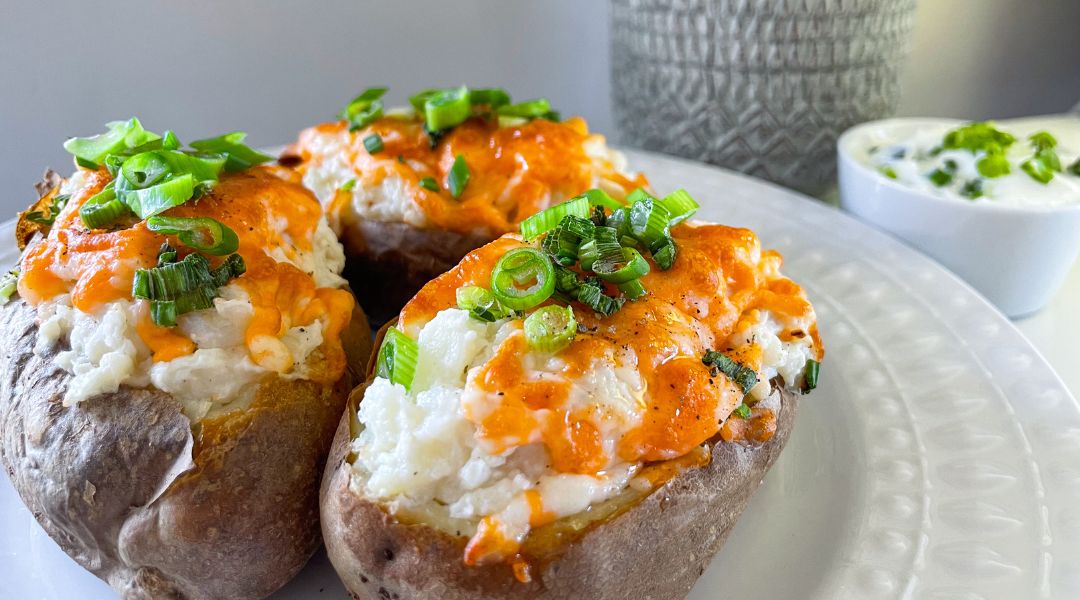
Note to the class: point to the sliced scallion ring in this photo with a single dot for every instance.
(480, 303)
(550, 328)
(632, 289)
(594, 297)
(373, 143)
(532, 109)
(546, 220)
(523, 278)
(679, 205)
(103, 209)
(158, 198)
(631, 267)
(91, 151)
(598, 197)
(397, 357)
(447, 108)
(493, 98)
(429, 184)
(238, 155)
(810, 375)
(201, 233)
(364, 109)
(664, 254)
(648, 221)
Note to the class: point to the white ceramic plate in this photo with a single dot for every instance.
(940, 457)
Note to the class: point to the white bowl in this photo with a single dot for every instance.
(1016, 256)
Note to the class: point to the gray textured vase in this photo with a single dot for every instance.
(761, 86)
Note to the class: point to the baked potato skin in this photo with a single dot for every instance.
(401, 258)
(656, 549)
(99, 477)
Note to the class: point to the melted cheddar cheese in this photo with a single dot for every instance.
(514, 171)
(276, 223)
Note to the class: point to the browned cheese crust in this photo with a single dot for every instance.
(399, 259)
(656, 549)
(104, 477)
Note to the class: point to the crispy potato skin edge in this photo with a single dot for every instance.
(399, 259)
(240, 524)
(657, 549)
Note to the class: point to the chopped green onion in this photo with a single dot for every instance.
(480, 303)
(1046, 162)
(493, 98)
(447, 108)
(742, 411)
(176, 288)
(593, 296)
(523, 278)
(434, 136)
(888, 171)
(201, 233)
(679, 205)
(158, 198)
(566, 281)
(348, 185)
(58, 203)
(459, 177)
(563, 242)
(9, 284)
(604, 247)
(373, 143)
(397, 357)
(150, 168)
(630, 267)
(238, 156)
(994, 164)
(90, 152)
(418, 99)
(1075, 168)
(511, 121)
(740, 375)
(429, 183)
(1042, 140)
(364, 109)
(598, 216)
(977, 136)
(533, 109)
(940, 177)
(550, 328)
(598, 197)
(810, 375)
(547, 219)
(648, 221)
(619, 220)
(1038, 170)
(632, 289)
(103, 209)
(664, 254)
(972, 189)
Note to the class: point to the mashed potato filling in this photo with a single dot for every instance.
(206, 361)
(424, 452)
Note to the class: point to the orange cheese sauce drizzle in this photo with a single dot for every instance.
(514, 171)
(720, 283)
(97, 266)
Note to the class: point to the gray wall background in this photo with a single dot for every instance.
(271, 67)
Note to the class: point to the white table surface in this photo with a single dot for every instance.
(1055, 330)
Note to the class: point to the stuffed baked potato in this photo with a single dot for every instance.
(175, 362)
(580, 415)
(411, 191)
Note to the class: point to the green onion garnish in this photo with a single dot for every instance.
(810, 375)
(940, 177)
(630, 267)
(632, 289)
(1075, 168)
(523, 278)
(972, 189)
(9, 284)
(90, 152)
(348, 185)
(679, 205)
(103, 209)
(742, 411)
(593, 296)
(158, 198)
(888, 171)
(364, 109)
(201, 233)
(533, 109)
(175, 288)
(742, 376)
(493, 98)
(429, 183)
(550, 328)
(238, 156)
(58, 203)
(994, 164)
(978, 136)
(648, 221)
(1046, 162)
(459, 177)
(480, 303)
(664, 254)
(598, 197)
(397, 357)
(373, 143)
(447, 108)
(547, 219)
